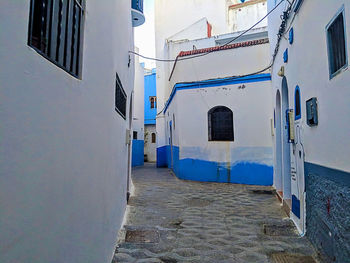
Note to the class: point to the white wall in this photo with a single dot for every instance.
(150, 148)
(252, 103)
(63, 156)
(167, 24)
(197, 30)
(139, 101)
(249, 112)
(327, 144)
(244, 16)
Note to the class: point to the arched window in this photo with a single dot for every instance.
(220, 124)
(297, 104)
(153, 137)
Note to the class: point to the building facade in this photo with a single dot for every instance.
(150, 102)
(210, 116)
(213, 101)
(66, 85)
(138, 115)
(311, 99)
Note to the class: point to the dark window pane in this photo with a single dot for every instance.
(153, 138)
(55, 30)
(336, 44)
(220, 120)
(134, 136)
(297, 103)
(120, 98)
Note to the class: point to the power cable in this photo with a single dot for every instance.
(210, 51)
(280, 34)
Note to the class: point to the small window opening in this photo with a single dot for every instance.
(153, 101)
(220, 124)
(336, 40)
(134, 135)
(120, 98)
(153, 137)
(297, 103)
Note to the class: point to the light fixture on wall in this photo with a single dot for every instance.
(281, 72)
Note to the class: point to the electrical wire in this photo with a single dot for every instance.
(210, 51)
(280, 34)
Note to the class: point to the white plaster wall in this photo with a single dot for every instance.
(242, 18)
(251, 115)
(197, 30)
(231, 62)
(139, 100)
(63, 158)
(150, 148)
(328, 143)
(172, 17)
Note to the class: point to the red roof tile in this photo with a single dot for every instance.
(219, 48)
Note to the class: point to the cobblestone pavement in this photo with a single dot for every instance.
(183, 221)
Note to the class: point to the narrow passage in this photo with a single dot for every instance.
(170, 220)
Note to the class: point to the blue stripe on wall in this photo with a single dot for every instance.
(250, 173)
(162, 156)
(337, 176)
(216, 83)
(238, 173)
(137, 153)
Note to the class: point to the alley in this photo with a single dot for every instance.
(170, 220)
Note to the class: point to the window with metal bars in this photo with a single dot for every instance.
(120, 98)
(220, 124)
(56, 32)
(153, 101)
(336, 40)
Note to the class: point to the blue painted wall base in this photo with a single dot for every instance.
(205, 171)
(137, 153)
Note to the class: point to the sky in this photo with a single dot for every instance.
(144, 35)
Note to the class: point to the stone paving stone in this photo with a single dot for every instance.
(204, 222)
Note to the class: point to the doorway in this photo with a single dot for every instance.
(286, 163)
(278, 168)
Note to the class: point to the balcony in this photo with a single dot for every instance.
(137, 13)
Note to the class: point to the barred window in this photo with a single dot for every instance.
(220, 124)
(336, 40)
(120, 98)
(153, 101)
(56, 32)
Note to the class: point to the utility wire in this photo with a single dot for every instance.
(280, 34)
(210, 51)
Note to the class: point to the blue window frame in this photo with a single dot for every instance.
(336, 44)
(297, 103)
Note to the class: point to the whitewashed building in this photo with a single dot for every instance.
(66, 83)
(311, 94)
(212, 99)
(150, 112)
(138, 115)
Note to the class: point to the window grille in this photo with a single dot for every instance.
(56, 32)
(297, 103)
(120, 98)
(153, 101)
(220, 124)
(336, 40)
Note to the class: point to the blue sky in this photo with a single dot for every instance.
(144, 35)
